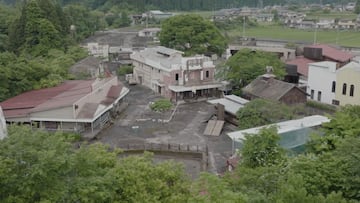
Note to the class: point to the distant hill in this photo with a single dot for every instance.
(186, 5)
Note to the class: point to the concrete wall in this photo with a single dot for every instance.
(350, 77)
(320, 78)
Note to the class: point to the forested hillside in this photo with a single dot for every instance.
(36, 46)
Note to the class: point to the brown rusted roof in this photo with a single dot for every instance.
(302, 64)
(114, 91)
(35, 100)
(333, 53)
(88, 110)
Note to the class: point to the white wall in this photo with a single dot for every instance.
(3, 131)
(320, 78)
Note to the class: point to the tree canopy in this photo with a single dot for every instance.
(48, 167)
(345, 123)
(192, 34)
(260, 112)
(247, 64)
(262, 149)
(40, 27)
(38, 166)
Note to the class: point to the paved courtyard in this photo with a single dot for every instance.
(139, 124)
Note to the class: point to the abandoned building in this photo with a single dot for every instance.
(267, 87)
(173, 76)
(82, 106)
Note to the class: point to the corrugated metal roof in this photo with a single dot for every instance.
(302, 64)
(114, 91)
(37, 100)
(88, 110)
(333, 53)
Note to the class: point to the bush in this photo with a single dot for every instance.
(321, 106)
(123, 70)
(161, 105)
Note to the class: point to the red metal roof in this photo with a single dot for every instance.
(64, 93)
(302, 64)
(114, 91)
(333, 53)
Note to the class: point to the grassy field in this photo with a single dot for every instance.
(343, 38)
(333, 15)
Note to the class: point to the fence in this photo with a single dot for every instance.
(185, 151)
(165, 147)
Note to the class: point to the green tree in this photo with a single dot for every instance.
(260, 112)
(357, 7)
(38, 28)
(246, 65)
(192, 34)
(37, 166)
(345, 123)
(210, 188)
(331, 171)
(262, 149)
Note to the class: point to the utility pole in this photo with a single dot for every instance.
(315, 33)
(337, 36)
(243, 30)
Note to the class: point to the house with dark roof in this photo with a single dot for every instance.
(82, 106)
(267, 87)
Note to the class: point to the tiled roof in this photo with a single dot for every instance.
(302, 64)
(333, 53)
(269, 88)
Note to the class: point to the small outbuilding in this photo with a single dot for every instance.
(267, 87)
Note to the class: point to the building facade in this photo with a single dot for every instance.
(348, 88)
(322, 90)
(82, 106)
(173, 76)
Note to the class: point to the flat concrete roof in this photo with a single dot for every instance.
(283, 127)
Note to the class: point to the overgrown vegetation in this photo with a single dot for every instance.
(37, 166)
(192, 34)
(246, 65)
(261, 112)
(161, 105)
(321, 106)
(126, 69)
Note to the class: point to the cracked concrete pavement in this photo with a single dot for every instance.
(138, 124)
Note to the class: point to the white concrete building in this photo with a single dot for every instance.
(322, 81)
